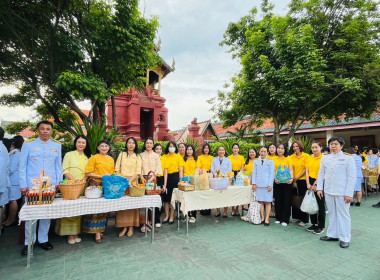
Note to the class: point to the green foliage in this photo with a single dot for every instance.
(244, 147)
(194, 142)
(62, 52)
(306, 142)
(14, 128)
(95, 132)
(319, 61)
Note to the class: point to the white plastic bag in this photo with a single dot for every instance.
(253, 215)
(309, 204)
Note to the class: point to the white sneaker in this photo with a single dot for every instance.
(302, 224)
(192, 220)
(277, 222)
(158, 225)
(284, 224)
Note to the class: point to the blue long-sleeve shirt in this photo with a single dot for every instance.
(224, 165)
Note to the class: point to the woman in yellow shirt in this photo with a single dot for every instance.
(205, 159)
(272, 151)
(298, 160)
(174, 167)
(128, 164)
(74, 165)
(98, 165)
(161, 180)
(237, 162)
(204, 162)
(282, 190)
(191, 165)
(312, 169)
(250, 159)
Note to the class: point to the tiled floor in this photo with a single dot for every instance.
(216, 248)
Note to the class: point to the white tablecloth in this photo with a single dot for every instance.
(82, 206)
(200, 200)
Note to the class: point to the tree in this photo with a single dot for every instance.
(319, 61)
(62, 52)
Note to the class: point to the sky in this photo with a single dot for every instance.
(190, 32)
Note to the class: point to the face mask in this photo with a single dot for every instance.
(172, 149)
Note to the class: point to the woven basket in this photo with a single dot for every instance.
(135, 190)
(71, 191)
(155, 191)
(186, 188)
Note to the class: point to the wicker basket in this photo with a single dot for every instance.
(135, 190)
(72, 191)
(155, 191)
(185, 188)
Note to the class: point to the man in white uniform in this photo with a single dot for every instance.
(339, 173)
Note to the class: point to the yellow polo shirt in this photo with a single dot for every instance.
(313, 164)
(236, 162)
(204, 162)
(173, 162)
(299, 164)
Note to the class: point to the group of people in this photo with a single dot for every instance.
(333, 177)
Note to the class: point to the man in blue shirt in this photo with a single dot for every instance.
(39, 154)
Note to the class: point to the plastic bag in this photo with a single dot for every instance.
(283, 174)
(253, 215)
(196, 180)
(309, 204)
(114, 186)
(204, 185)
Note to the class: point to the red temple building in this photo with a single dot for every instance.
(143, 114)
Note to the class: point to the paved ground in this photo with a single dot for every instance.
(215, 249)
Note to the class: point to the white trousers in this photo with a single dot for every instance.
(339, 218)
(43, 231)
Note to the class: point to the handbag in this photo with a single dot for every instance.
(309, 204)
(253, 214)
(297, 200)
(283, 174)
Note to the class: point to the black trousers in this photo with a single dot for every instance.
(296, 212)
(193, 214)
(319, 218)
(282, 201)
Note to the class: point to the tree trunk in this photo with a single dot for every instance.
(114, 123)
(276, 131)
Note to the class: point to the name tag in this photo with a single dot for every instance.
(53, 150)
(36, 149)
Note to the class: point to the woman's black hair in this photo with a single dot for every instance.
(87, 149)
(235, 144)
(143, 147)
(167, 147)
(285, 149)
(318, 143)
(272, 144)
(156, 145)
(136, 149)
(194, 153)
(209, 148)
(17, 142)
(327, 149)
(374, 151)
(247, 161)
(104, 141)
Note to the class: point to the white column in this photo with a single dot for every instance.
(329, 134)
(262, 140)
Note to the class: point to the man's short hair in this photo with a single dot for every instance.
(44, 122)
(339, 139)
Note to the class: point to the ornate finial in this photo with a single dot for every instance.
(173, 64)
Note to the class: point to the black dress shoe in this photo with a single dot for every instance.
(217, 215)
(171, 222)
(24, 250)
(377, 205)
(45, 246)
(327, 238)
(225, 216)
(344, 244)
(164, 222)
(266, 224)
(357, 204)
